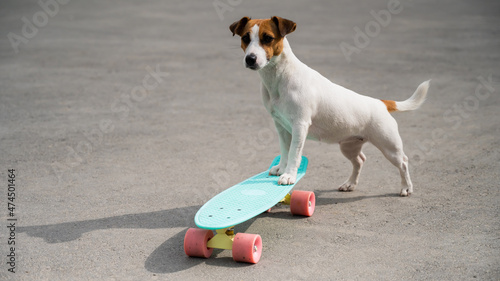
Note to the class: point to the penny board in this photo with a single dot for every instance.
(245, 200)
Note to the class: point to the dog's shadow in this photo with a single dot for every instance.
(169, 257)
(321, 200)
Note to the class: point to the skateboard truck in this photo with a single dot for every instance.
(223, 239)
(286, 200)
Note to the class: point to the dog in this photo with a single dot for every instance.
(306, 105)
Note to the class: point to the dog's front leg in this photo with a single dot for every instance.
(285, 139)
(299, 134)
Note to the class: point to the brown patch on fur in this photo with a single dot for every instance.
(391, 105)
(276, 28)
(285, 26)
(237, 26)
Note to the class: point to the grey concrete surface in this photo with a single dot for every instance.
(109, 176)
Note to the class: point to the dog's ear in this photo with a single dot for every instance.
(237, 26)
(284, 26)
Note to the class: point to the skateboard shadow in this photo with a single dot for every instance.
(69, 231)
(169, 257)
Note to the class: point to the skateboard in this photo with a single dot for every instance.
(238, 204)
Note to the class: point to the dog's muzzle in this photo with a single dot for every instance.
(251, 61)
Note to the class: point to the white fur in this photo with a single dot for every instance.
(304, 104)
(416, 100)
(255, 48)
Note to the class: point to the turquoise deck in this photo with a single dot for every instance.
(245, 200)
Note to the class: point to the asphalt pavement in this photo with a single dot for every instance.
(120, 119)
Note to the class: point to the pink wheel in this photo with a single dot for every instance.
(247, 248)
(195, 242)
(302, 203)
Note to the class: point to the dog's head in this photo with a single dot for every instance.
(261, 39)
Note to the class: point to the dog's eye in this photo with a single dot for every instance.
(266, 39)
(246, 39)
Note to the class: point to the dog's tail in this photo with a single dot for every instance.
(414, 102)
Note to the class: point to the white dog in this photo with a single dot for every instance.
(304, 104)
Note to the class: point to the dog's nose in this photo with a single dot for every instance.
(251, 59)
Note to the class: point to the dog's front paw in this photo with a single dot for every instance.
(276, 171)
(287, 179)
(347, 186)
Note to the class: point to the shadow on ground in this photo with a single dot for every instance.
(65, 232)
(331, 201)
(169, 257)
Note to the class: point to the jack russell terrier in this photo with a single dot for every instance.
(306, 105)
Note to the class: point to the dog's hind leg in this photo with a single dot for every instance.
(352, 150)
(390, 144)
